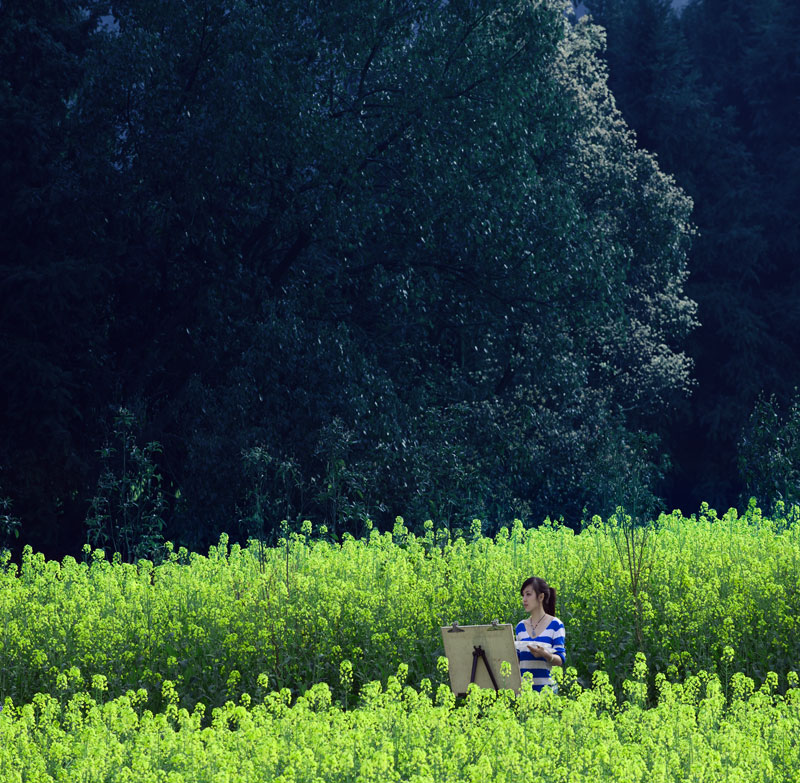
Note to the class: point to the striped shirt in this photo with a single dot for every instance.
(552, 637)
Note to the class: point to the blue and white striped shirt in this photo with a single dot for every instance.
(552, 636)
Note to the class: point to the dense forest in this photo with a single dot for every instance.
(715, 93)
(287, 260)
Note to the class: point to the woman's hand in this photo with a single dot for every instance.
(540, 651)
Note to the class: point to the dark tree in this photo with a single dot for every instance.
(51, 281)
(714, 94)
(376, 259)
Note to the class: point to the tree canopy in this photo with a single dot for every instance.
(341, 261)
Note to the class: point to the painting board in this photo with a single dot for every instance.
(496, 640)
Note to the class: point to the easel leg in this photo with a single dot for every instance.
(478, 652)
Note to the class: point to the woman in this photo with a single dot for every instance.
(543, 632)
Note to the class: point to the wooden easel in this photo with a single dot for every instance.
(493, 644)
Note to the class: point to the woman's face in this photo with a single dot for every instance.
(531, 601)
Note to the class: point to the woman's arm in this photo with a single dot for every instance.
(554, 653)
(559, 650)
(540, 651)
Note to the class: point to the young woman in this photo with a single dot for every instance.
(543, 632)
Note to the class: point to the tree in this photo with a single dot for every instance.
(707, 92)
(405, 257)
(769, 454)
(51, 347)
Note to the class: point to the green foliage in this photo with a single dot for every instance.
(410, 252)
(314, 660)
(401, 733)
(274, 490)
(9, 524)
(635, 543)
(126, 511)
(769, 453)
(708, 89)
(711, 594)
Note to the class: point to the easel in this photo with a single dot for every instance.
(478, 652)
(493, 644)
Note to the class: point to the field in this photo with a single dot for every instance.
(320, 660)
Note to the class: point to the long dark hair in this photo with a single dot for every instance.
(540, 586)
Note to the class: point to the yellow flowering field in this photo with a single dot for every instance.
(320, 660)
(399, 733)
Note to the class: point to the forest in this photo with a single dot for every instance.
(263, 262)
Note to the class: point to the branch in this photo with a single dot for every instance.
(301, 242)
(487, 76)
(370, 57)
(200, 55)
(468, 32)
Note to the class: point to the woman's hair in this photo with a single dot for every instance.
(540, 586)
